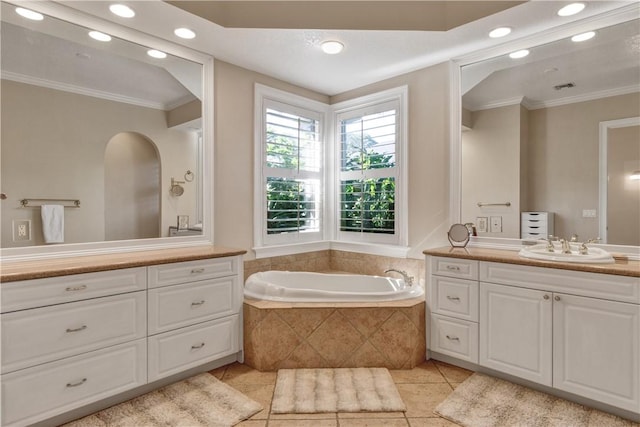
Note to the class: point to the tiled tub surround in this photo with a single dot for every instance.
(318, 335)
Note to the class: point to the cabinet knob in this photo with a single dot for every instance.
(545, 296)
(557, 298)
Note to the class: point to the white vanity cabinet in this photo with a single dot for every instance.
(75, 340)
(193, 314)
(453, 297)
(574, 331)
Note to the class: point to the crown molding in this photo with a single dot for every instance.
(533, 105)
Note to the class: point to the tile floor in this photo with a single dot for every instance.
(422, 389)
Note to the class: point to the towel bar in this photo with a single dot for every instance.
(25, 202)
(481, 205)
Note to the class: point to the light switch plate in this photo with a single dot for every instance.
(482, 224)
(496, 224)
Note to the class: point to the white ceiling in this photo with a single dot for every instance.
(369, 56)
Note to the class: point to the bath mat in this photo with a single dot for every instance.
(202, 400)
(483, 401)
(309, 391)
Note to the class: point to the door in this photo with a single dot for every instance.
(596, 349)
(515, 331)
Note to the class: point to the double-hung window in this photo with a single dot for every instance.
(290, 152)
(370, 182)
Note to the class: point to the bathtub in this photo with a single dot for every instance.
(287, 286)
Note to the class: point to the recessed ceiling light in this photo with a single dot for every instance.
(519, 54)
(101, 37)
(184, 33)
(571, 9)
(122, 10)
(156, 54)
(29, 14)
(583, 37)
(500, 32)
(332, 47)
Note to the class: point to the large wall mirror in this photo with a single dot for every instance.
(102, 128)
(530, 138)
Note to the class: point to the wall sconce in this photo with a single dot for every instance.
(635, 175)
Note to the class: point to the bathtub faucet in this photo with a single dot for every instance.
(407, 279)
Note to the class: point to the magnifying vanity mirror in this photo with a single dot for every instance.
(532, 136)
(95, 118)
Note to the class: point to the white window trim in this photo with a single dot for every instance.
(263, 95)
(399, 95)
(329, 233)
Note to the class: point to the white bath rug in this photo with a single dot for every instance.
(202, 401)
(309, 391)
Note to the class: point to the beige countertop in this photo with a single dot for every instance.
(622, 266)
(36, 269)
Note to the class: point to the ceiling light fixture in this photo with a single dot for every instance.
(184, 33)
(101, 37)
(635, 175)
(332, 47)
(519, 54)
(29, 14)
(500, 32)
(571, 9)
(156, 54)
(583, 37)
(122, 10)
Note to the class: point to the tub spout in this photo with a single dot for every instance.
(407, 279)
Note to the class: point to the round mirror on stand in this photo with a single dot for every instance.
(458, 235)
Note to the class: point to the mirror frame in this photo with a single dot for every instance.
(206, 164)
(614, 17)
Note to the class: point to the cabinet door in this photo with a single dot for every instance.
(596, 349)
(515, 331)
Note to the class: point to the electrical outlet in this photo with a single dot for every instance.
(21, 230)
(588, 213)
(496, 224)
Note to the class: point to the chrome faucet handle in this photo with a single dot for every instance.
(550, 247)
(584, 250)
(574, 238)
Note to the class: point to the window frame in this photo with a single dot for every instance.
(357, 107)
(267, 97)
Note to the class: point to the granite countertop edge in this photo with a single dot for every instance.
(622, 266)
(39, 269)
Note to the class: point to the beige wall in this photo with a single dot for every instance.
(53, 146)
(563, 159)
(623, 194)
(428, 152)
(491, 152)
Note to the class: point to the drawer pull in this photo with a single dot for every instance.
(197, 347)
(76, 288)
(450, 298)
(82, 381)
(197, 271)
(197, 303)
(453, 268)
(81, 328)
(453, 338)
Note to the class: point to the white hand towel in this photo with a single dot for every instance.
(53, 223)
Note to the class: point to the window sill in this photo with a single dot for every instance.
(364, 248)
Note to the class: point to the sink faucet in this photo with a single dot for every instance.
(566, 246)
(550, 247)
(407, 279)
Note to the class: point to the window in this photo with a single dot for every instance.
(370, 176)
(290, 150)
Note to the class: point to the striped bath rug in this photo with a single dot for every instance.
(202, 400)
(309, 391)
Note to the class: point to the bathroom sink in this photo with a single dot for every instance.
(595, 255)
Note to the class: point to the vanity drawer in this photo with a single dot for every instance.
(32, 337)
(453, 337)
(173, 307)
(190, 271)
(603, 286)
(178, 350)
(41, 392)
(25, 294)
(455, 297)
(454, 267)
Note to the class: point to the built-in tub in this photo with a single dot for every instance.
(288, 286)
(317, 320)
